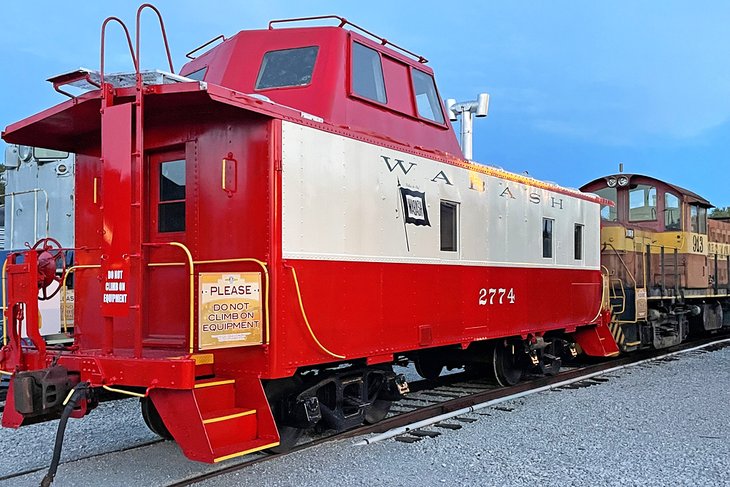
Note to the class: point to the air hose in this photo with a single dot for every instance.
(76, 394)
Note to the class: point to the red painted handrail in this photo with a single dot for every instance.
(129, 43)
(343, 23)
(162, 28)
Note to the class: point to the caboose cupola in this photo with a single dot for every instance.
(338, 75)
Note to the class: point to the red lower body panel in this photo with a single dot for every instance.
(364, 309)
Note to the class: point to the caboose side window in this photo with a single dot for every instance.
(578, 242)
(198, 75)
(367, 73)
(642, 203)
(547, 238)
(171, 208)
(449, 226)
(427, 100)
(287, 67)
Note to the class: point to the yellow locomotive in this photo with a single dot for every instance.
(668, 263)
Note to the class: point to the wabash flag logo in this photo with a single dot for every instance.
(414, 206)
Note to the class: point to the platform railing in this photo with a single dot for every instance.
(191, 263)
(64, 304)
(24, 295)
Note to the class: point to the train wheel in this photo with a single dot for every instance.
(288, 438)
(153, 420)
(378, 409)
(505, 362)
(429, 366)
(277, 392)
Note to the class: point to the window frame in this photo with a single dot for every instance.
(613, 208)
(412, 113)
(552, 240)
(204, 69)
(156, 161)
(455, 225)
(655, 207)
(579, 242)
(351, 66)
(287, 87)
(436, 93)
(667, 194)
(701, 227)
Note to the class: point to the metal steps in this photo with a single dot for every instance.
(216, 420)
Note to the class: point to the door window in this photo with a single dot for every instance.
(171, 208)
(168, 192)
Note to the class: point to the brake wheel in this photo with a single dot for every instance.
(51, 258)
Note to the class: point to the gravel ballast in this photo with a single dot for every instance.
(665, 423)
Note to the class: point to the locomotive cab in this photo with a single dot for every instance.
(668, 265)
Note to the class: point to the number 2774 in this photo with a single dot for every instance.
(496, 296)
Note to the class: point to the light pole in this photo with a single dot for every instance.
(467, 109)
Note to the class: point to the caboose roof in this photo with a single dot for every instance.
(328, 93)
(238, 62)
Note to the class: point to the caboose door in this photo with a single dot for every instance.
(167, 306)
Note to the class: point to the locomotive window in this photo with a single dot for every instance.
(427, 100)
(642, 203)
(547, 238)
(698, 218)
(578, 242)
(288, 67)
(672, 216)
(367, 73)
(171, 209)
(608, 213)
(449, 226)
(48, 154)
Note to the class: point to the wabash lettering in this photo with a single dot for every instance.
(475, 183)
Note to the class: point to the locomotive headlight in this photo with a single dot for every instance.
(611, 182)
(25, 152)
(623, 181)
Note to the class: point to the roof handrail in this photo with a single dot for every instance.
(164, 35)
(343, 23)
(103, 38)
(190, 54)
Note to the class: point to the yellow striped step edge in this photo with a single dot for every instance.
(214, 383)
(229, 416)
(246, 452)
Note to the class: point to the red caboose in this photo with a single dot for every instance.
(262, 236)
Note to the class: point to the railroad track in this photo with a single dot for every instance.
(434, 407)
(463, 395)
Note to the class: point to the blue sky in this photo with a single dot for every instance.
(576, 87)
